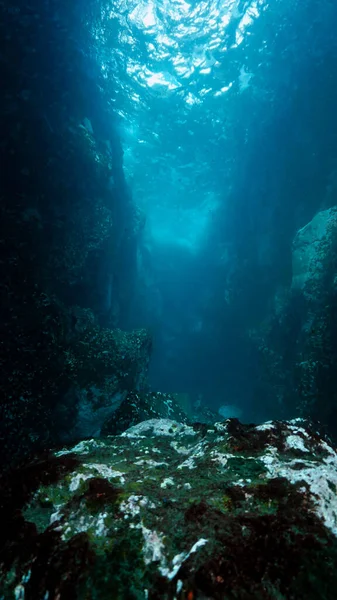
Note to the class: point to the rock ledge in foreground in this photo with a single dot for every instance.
(166, 510)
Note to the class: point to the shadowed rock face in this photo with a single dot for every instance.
(68, 236)
(312, 248)
(297, 342)
(168, 510)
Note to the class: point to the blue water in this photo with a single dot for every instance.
(215, 101)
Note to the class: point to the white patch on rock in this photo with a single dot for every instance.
(19, 592)
(131, 507)
(327, 448)
(56, 515)
(100, 525)
(320, 478)
(179, 559)
(179, 449)
(158, 427)
(295, 429)
(219, 457)
(197, 545)
(220, 427)
(101, 469)
(106, 472)
(77, 479)
(150, 463)
(295, 442)
(84, 523)
(167, 482)
(26, 578)
(265, 426)
(196, 451)
(270, 456)
(84, 447)
(153, 546)
(188, 464)
(242, 482)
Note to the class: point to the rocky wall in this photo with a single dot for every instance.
(297, 345)
(68, 235)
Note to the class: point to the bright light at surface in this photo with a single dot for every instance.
(223, 90)
(190, 99)
(149, 19)
(179, 66)
(159, 79)
(165, 40)
(184, 40)
(177, 9)
(143, 15)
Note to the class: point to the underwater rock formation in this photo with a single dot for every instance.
(68, 236)
(297, 343)
(315, 248)
(104, 366)
(141, 406)
(168, 510)
(313, 251)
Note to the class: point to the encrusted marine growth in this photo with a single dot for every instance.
(172, 511)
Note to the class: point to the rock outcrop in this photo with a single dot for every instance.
(68, 236)
(172, 511)
(313, 251)
(141, 406)
(297, 342)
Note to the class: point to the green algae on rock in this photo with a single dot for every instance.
(167, 510)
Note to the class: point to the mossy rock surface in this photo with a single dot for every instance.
(167, 510)
(141, 406)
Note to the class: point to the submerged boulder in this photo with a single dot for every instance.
(167, 510)
(105, 364)
(312, 249)
(141, 406)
